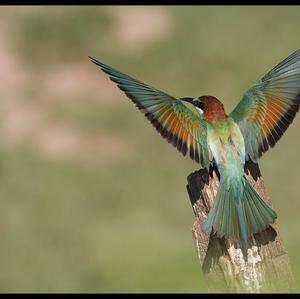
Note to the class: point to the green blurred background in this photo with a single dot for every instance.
(92, 198)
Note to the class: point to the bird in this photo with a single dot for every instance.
(225, 141)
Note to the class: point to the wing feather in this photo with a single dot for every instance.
(176, 123)
(268, 108)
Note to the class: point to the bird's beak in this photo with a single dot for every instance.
(189, 100)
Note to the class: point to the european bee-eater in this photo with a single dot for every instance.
(216, 139)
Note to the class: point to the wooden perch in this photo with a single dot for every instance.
(266, 268)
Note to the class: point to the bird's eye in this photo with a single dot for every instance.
(199, 104)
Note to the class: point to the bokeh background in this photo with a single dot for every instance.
(92, 198)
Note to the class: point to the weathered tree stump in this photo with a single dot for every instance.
(266, 268)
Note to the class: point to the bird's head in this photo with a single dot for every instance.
(209, 107)
(199, 105)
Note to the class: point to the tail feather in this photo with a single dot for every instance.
(259, 214)
(238, 211)
(242, 231)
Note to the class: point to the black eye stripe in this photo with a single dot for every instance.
(199, 104)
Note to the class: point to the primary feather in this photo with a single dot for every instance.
(175, 122)
(269, 107)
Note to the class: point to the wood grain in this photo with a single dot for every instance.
(266, 268)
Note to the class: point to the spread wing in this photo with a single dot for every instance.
(174, 121)
(269, 107)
